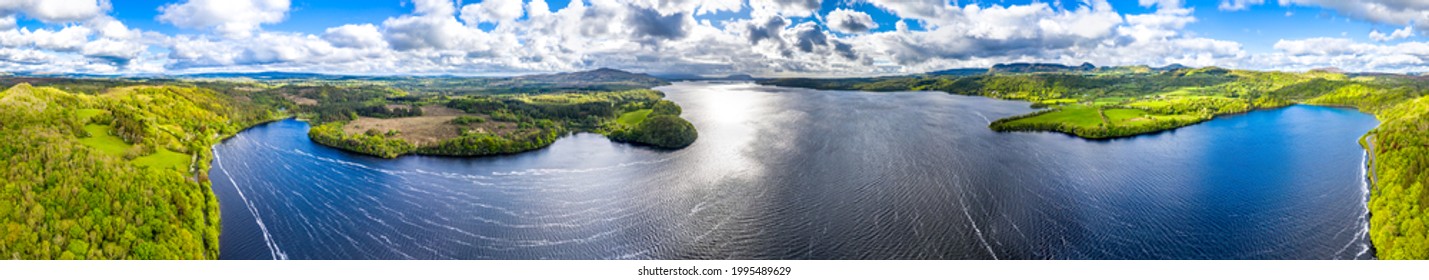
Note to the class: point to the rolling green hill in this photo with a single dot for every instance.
(117, 175)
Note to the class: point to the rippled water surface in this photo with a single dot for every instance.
(783, 173)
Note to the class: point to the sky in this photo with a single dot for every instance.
(771, 38)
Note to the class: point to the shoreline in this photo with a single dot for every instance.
(1045, 110)
(1368, 144)
(1132, 135)
(1371, 178)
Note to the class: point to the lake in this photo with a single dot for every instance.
(781, 173)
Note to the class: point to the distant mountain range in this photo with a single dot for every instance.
(1172, 67)
(1040, 67)
(696, 77)
(1050, 68)
(268, 76)
(597, 76)
(602, 74)
(960, 72)
(603, 79)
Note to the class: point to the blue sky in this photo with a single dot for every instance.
(710, 37)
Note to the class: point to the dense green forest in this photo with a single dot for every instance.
(118, 173)
(1399, 226)
(373, 143)
(1122, 102)
(659, 126)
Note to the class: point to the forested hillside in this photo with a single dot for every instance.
(1399, 225)
(114, 175)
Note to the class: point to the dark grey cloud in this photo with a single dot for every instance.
(845, 50)
(651, 24)
(807, 36)
(850, 26)
(597, 19)
(768, 30)
(117, 60)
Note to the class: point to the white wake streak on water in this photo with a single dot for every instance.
(984, 117)
(975, 228)
(1364, 218)
(474, 179)
(267, 238)
(545, 171)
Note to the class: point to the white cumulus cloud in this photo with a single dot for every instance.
(493, 11)
(231, 18)
(1401, 33)
(355, 36)
(55, 11)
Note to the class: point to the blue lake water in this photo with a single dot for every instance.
(781, 173)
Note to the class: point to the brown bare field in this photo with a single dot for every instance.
(301, 100)
(398, 106)
(432, 127)
(439, 111)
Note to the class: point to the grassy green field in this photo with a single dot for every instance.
(632, 118)
(1136, 117)
(1087, 116)
(1127, 116)
(164, 158)
(1109, 101)
(1097, 122)
(1077, 115)
(100, 139)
